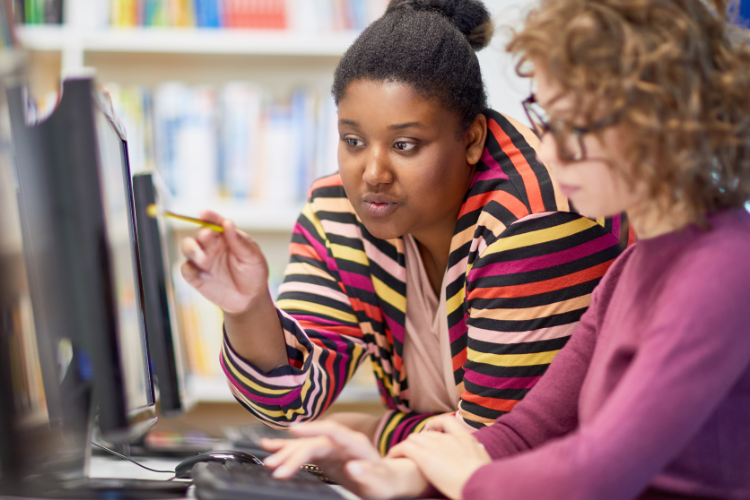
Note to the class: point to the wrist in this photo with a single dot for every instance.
(256, 302)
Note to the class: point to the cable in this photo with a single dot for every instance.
(131, 460)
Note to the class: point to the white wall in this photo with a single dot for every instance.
(505, 90)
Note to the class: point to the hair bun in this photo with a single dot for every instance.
(470, 17)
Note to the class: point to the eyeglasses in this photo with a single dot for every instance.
(569, 138)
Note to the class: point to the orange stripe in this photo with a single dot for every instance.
(333, 180)
(331, 377)
(373, 312)
(491, 403)
(459, 359)
(303, 250)
(530, 180)
(349, 331)
(545, 286)
(631, 235)
(509, 201)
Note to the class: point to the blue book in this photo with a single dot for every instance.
(207, 14)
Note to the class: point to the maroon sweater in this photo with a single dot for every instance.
(653, 389)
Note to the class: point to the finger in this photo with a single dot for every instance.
(436, 423)
(191, 273)
(211, 216)
(269, 444)
(239, 243)
(410, 448)
(192, 250)
(353, 442)
(207, 237)
(297, 453)
(450, 425)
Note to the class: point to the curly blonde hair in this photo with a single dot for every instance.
(675, 74)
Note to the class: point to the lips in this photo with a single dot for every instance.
(567, 190)
(379, 206)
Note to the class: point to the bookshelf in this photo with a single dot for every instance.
(78, 42)
(279, 61)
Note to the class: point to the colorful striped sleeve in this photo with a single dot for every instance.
(322, 334)
(525, 295)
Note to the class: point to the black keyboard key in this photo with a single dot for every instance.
(243, 481)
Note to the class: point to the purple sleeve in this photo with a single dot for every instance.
(694, 349)
(550, 409)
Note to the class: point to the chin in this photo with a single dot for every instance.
(383, 230)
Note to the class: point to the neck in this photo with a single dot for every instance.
(652, 218)
(434, 247)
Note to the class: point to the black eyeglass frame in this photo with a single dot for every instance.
(579, 132)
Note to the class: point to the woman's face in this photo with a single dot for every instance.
(403, 166)
(595, 188)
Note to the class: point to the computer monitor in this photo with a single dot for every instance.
(167, 352)
(80, 242)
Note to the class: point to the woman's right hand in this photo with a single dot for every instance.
(346, 456)
(227, 268)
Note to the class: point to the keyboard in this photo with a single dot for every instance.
(243, 481)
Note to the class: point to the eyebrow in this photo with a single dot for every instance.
(397, 126)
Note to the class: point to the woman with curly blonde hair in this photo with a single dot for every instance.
(642, 106)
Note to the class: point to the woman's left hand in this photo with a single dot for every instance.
(447, 457)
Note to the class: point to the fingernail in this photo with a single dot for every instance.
(271, 460)
(280, 472)
(354, 468)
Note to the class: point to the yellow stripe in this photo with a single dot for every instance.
(348, 253)
(389, 294)
(391, 425)
(307, 211)
(340, 205)
(311, 307)
(540, 236)
(381, 376)
(456, 301)
(532, 313)
(600, 221)
(307, 270)
(537, 358)
(246, 381)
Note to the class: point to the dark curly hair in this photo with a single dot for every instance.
(675, 73)
(429, 45)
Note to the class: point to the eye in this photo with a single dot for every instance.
(404, 146)
(351, 141)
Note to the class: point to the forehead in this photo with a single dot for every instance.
(391, 102)
(549, 93)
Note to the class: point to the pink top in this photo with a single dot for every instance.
(652, 390)
(427, 355)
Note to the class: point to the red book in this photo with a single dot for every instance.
(258, 14)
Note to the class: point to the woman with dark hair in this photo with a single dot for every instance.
(441, 250)
(642, 106)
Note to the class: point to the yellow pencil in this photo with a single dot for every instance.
(152, 211)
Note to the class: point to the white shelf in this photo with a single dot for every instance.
(215, 390)
(186, 41)
(246, 216)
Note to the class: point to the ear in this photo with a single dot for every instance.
(475, 136)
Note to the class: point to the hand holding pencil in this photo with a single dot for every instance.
(224, 264)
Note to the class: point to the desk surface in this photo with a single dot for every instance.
(119, 468)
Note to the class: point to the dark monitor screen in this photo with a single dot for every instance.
(167, 353)
(118, 213)
(79, 237)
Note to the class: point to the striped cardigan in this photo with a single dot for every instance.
(520, 274)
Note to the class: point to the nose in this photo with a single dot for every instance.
(377, 167)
